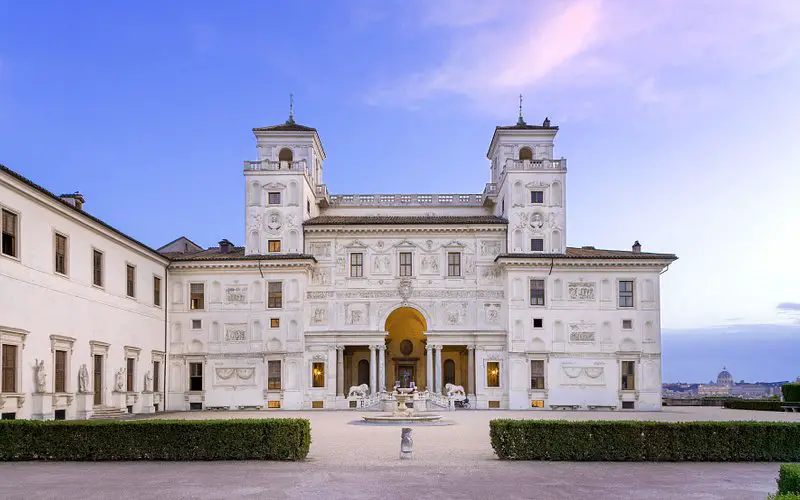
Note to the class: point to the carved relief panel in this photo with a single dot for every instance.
(356, 314)
(582, 332)
(582, 291)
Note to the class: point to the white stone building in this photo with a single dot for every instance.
(335, 291)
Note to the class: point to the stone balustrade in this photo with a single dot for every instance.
(544, 164)
(419, 200)
(295, 166)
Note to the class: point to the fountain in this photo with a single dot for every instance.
(403, 415)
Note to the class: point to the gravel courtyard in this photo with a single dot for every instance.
(361, 462)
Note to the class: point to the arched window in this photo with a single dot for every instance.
(363, 372)
(285, 155)
(526, 153)
(449, 371)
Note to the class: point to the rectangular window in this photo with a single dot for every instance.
(356, 265)
(156, 376)
(454, 263)
(627, 324)
(274, 246)
(9, 368)
(274, 375)
(537, 197)
(197, 296)
(10, 231)
(61, 371)
(156, 291)
(626, 294)
(537, 245)
(493, 374)
(317, 374)
(537, 374)
(195, 376)
(538, 323)
(275, 295)
(130, 273)
(129, 373)
(628, 375)
(274, 198)
(61, 254)
(537, 292)
(97, 268)
(405, 264)
(197, 324)
(274, 322)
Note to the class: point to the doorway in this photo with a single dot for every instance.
(98, 379)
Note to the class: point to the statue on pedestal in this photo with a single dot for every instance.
(41, 376)
(148, 382)
(83, 378)
(120, 380)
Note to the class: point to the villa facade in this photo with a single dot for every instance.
(333, 292)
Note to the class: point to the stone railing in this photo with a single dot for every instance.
(295, 166)
(490, 189)
(546, 164)
(322, 190)
(419, 200)
(439, 400)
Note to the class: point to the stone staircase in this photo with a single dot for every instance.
(107, 413)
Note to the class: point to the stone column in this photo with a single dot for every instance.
(438, 361)
(471, 370)
(429, 367)
(340, 370)
(382, 367)
(372, 370)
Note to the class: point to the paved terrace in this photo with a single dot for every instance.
(361, 462)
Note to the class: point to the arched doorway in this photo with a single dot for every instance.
(363, 372)
(405, 348)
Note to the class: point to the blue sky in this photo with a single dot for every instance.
(679, 118)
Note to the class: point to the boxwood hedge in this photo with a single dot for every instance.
(253, 439)
(791, 392)
(645, 441)
(754, 404)
(789, 478)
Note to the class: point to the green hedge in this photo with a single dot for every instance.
(645, 441)
(789, 478)
(256, 439)
(784, 496)
(791, 392)
(754, 404)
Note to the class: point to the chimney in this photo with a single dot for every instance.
(75, 199)
(637, 247)
(225, 246)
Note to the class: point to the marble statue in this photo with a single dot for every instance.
(120, 380)
(406, 444)
(148, 381)
(83, 378)
(455, 391)
(41, 376)
(358, 391)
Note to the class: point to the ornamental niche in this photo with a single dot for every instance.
(582, 290)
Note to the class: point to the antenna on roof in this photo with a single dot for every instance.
(291, 110)
(520, 121)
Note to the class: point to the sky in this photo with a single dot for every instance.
(679, 118)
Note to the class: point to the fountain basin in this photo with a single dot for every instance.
(402, 419)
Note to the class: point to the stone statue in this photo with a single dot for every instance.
(406, 443)
(358, 391)
(120, 380)
(455, 391)
(41, 376)
(148, 382)
(83, 378)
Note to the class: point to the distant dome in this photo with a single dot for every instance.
(725, 378)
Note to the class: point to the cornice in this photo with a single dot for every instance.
(494, 228)
(240, 265)
(547, 263)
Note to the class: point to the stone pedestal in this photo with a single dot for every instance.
(85, 405)
(120, 400)
(406, 444)
(42, 406)
(147, 403)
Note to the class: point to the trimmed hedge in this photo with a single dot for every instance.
(784, 496)
(754, 404)
(791, 392)
(251, 439)
(645, 441)
(789, 479)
